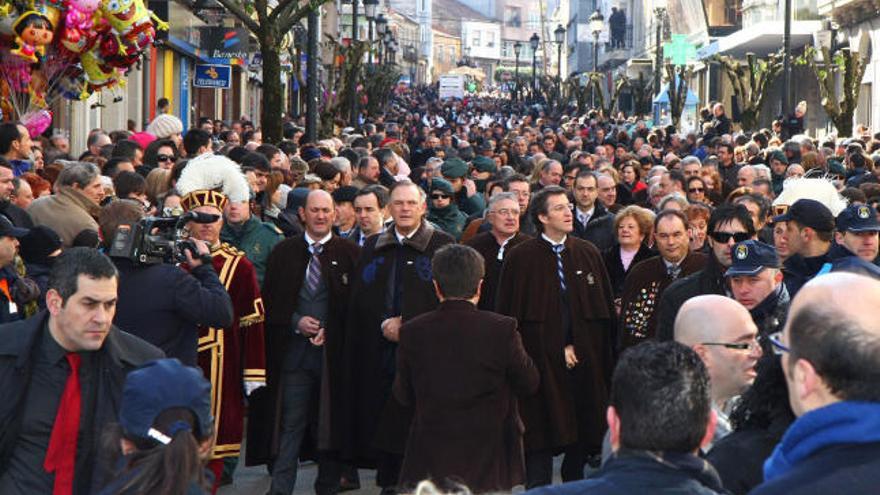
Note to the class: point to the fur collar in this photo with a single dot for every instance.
(419, 241)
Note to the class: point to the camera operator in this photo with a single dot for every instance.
(162, 303)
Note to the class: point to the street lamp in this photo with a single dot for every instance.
(352, 92)
(381, 28)
(370, 13)
(597, 25)
(517, 48)
(786, 61)
(534, 41)
(387, 42)
(559, 37)
(659, 17)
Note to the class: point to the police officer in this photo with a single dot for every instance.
(858, 233)
(755, 279)
(809, 226)
(246, 232)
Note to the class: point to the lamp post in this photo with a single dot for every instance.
(597, 25)
(786, 61)
(534, 41)
(517, 48)
(559, 38)
(352, 90)
(381, 28)
(659, 16)
(312, 77)
(370, 13)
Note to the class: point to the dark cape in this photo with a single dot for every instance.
(641, 295)
(569, 406)
(614, 265)
(486, 244)
(285, 273)
(709, 280)
(372, 419)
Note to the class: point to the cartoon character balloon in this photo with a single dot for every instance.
(78, 23)
(130, 22)
(33, 32)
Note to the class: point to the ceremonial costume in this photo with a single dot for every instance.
(487, 245)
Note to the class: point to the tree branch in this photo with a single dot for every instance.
(237, 9)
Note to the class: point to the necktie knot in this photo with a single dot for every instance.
(673, 271)
(317, 248)
(74, 360)
(558, 248)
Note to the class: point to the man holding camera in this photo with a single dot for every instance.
(161, 303)
(233, 357)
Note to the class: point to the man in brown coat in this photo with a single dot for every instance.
(557, 288)
(647, 280)
(306, 294)
(461, 369)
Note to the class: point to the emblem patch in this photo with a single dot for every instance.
(742, 252)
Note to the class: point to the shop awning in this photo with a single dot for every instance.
(761, 39)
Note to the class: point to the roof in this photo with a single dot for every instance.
(448, 15)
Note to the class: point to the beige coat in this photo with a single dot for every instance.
(68, 213)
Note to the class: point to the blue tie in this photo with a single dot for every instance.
(313, 273)
(559, 271)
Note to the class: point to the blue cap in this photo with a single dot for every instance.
(750, 257)
(858, 218)
(158, 386)
(809, 213)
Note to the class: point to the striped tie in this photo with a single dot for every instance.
(313, 274)
(559, 271)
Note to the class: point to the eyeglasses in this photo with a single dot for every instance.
(164, 158)
(696, 189)
(506, 212)
(439, 196)
(775, 340)
(737, 346)
(725, 237)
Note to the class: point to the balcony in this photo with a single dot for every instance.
(847, 12)
(612, 54)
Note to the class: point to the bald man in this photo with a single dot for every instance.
(728, 346)
(830, 351)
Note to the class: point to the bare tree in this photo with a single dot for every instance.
(750, 81)
(838, 101)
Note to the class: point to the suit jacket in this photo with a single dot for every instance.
(373, 419)
(529, 291)
(581, 230)
(709, 280)
(285, 274)
(641, 295)
(461, 370)
(488, 247)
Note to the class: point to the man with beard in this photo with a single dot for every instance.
(503, 216)
(557, 288)
(646, 282)
(392, 284)
(233, 358)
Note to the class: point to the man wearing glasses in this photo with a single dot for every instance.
(728, 347)
(829, 355)
(728, 225)
(755, 279)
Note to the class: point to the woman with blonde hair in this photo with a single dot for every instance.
(633, 227)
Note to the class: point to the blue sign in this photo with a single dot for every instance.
(213, 76)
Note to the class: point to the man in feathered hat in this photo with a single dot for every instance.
(233, 358)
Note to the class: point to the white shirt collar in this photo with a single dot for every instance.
(323, 241)
(551, 241)
(400, 237)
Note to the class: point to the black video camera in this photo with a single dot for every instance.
(154, 240)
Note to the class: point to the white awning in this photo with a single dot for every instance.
(765, 38)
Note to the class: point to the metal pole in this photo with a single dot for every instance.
(353, 102)
(786, 61)
(658, 62)
(516, 78)
(559, 73)
(534, 73)
(595, 68)
(370, 25)
(312, 78)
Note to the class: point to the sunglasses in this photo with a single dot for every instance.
(164, 158)
(696, 189)
(439, 196)
(725, 237)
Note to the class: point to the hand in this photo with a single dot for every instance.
(308, 326)
(470, 186)
(571, 359)
(194, 259)
(318, 339)
(391, 328)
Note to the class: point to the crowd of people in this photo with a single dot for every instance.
(454, 291)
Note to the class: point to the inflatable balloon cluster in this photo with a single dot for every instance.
(52, 49)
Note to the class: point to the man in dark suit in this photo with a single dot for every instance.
(306, 296)
(503, 217)
(557, 287)
(461, 369)
(588, 212)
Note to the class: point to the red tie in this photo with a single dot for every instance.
(61, 455)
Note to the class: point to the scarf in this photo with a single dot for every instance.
(840, 423)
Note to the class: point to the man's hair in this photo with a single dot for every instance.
(195, 139)
(116, 213)
(256, 161)
(381, 193)
(162, 102)
(268, 150)
(509, 196)
(514, 178)
(408, 183)
(677, 176)
(660, 391)
(94, 138)
(670, 213)
(727, 213)
(383, 156)
(458, 269)
(844, 353)
(125, 149)
(78, 261)
(8, 133)
(365, 162)
(760, 201)
(584, 173)
(78, 173)
(111, 168)
(545, 167)
(126, 183)
(538, 205)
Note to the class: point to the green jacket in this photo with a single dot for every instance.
(256, 239)
(450, 220)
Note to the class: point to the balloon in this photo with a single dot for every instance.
(33, 32)
(36, 122)
(78, 22)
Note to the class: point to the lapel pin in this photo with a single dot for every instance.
(333, 263)
(409, 262)
(590, 279)
(580, 272)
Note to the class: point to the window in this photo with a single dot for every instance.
(475, 38)
(513, 17)
(490, 39)
(534, 22)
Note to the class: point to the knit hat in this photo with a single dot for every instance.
(310, 153)
(38, 244)
(438, 184)
(142, 138)
(484, 164)
(165, 125)
(778, 155)
(454, 168)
